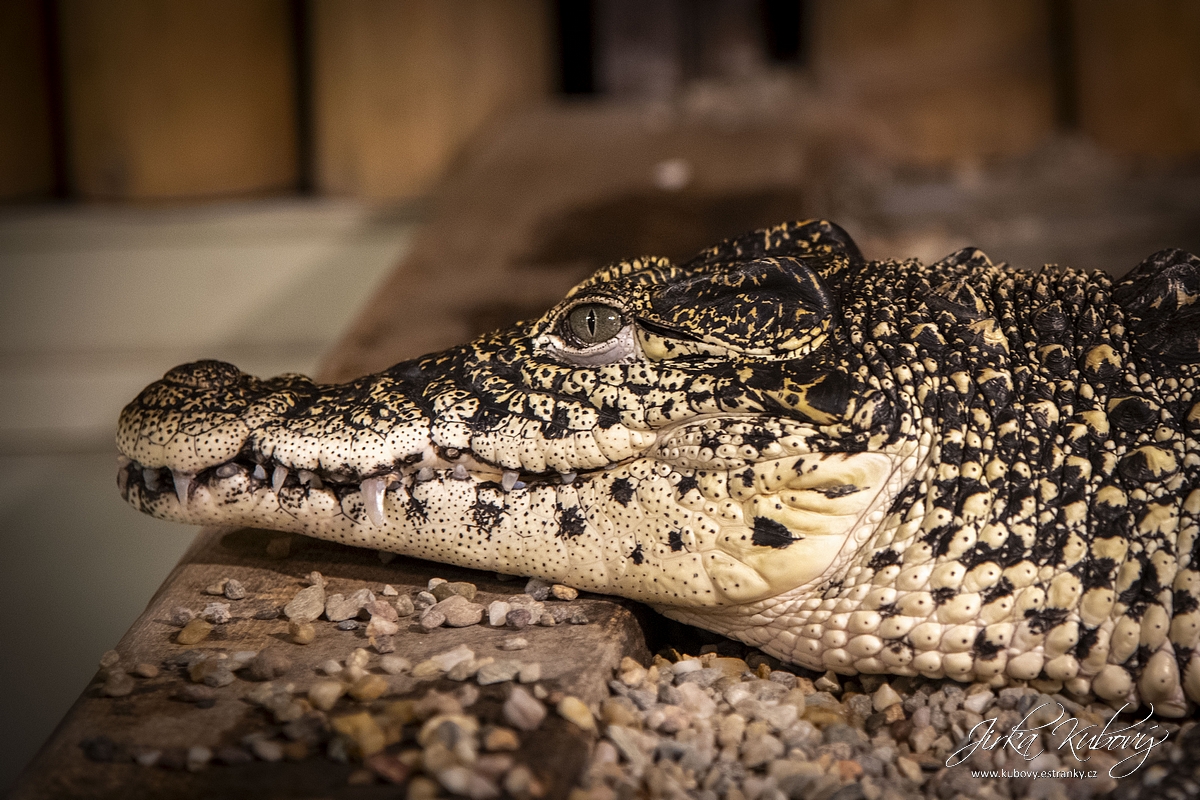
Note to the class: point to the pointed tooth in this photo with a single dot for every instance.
(425, 474)
(310, 478)
(150, 478)
(183, 482)
(123, 480)
(372, 492)
(460, 472)
(278, 477)
(509, 479)
(569, 477)
(260, 472)
(227, 470)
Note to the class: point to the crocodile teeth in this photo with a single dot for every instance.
(425, 474)
(227, 470)
(260, 472)
(183, 482)
(122, 478)
(372, 492)
(278, 477)
(309, 478)
(460, 472)
(509, 479)
(150, 477)
(569, 477)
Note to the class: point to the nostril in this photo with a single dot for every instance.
(208, 374)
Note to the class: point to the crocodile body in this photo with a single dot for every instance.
(955, 470)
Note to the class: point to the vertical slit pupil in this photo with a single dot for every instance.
(591, 321)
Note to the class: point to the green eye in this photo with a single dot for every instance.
(593, 323)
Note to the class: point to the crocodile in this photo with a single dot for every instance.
(958, 470)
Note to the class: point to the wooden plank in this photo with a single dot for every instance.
(26, 158)
(1138, 74)
(172, 99)
(575, 659)
(400, 86)
(939, 81)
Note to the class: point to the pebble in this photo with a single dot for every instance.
(347, 625)
(530, 673)
(381, 626)
(522, 711)
(269, 664)
(514, 643)
(181, 615)
(538, 589)
(234, 590)
(118, 684)
(194, 632)
(431, 618)
(976, 703)
(574, 710)
(497, 612)
(404, 606)
(561, 592)
(267, 750)
(217, 588)
(496, 739)
(339, 609)
(217, 613)
(449, 589)
(302, 632)
(395, 665)
(910, 769)
(146, 670)
(827, 682)
(362, 731)
(214, 672)
(424, 600)
(307, 605)
(110, 659)
(267, 612)
(446, 660)
(368, 688)
(459, 611)
(518, 618)
(195, 693)
(546, 620)
(198, 758)
(497, 672)
(885, 697)
(389, 590)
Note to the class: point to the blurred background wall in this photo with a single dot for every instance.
(144, 100)
(235, 179)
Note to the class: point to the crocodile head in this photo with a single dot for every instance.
(951, 470)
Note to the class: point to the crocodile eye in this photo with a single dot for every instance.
(593, 323)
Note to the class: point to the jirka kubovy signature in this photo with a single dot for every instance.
(1079, 739)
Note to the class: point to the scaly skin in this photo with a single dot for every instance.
(953, 470)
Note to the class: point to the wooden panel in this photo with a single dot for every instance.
(26, 161)
(178, 98)
(400, 85)
(943, 80)
(1139, 74)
